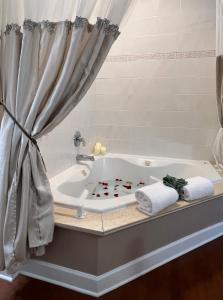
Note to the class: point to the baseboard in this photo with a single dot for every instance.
(7, 277)
(99, 285)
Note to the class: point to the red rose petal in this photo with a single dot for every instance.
(128, 187)
(98, 195)
(106, 194)
(116, 195)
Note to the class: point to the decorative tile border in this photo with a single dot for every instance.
(162, 55)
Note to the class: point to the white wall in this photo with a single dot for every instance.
(155, 94)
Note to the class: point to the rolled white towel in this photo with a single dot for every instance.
(155, 197)
(197, 187)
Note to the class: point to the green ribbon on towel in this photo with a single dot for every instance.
(175, 183)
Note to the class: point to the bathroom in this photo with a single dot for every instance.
(150, 112)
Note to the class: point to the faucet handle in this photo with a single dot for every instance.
(83, 142)
(78, 139)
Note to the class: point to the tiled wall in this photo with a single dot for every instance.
(155, 94)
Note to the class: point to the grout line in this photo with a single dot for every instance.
(162, 55)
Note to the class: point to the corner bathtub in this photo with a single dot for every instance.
(71, 189)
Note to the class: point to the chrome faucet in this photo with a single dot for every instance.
(82, 157)
(78, 140)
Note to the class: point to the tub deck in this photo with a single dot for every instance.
(107, 222)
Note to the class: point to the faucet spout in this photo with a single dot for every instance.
(82, 157)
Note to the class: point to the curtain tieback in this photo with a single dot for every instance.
(33, 141)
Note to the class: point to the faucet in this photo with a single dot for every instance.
(78, 140)
(82, 157)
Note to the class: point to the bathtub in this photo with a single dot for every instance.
(74, 187)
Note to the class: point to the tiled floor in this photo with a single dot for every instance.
(194, 276)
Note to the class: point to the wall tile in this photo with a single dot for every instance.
(114, 86)
(153, 43)
(198, 7)
(196, 40)
(169, 8)
(197, 103)
(155, 94)
(184, 119)
(143, 10)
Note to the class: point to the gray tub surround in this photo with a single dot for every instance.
(97, 254)
(96, 264)
(46, 69)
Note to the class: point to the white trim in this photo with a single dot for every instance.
(99, 285)
(8, 277)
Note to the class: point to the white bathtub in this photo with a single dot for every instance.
(69, 188)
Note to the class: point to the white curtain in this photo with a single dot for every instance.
(218, 143)
(50, 55)
(15, 11)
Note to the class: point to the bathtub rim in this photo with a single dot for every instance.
(112, 204)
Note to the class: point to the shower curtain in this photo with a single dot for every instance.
(218, 143)
(51, 52)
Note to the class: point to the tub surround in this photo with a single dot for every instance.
(104, 223)
(95, 264)
(120, 232)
